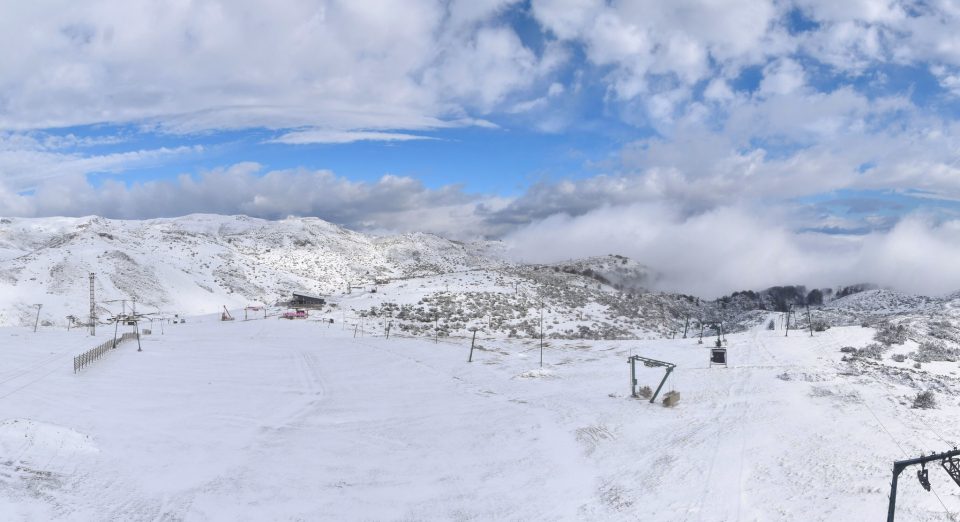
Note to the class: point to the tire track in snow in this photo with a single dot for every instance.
(313, 387)
(728, 449)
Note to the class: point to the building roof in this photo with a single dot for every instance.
(308, 296)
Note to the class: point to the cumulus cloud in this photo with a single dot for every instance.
(656, 47)
(197, 66)
(390, 203)
(771, 151)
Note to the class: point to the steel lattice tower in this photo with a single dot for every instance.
(93, 310)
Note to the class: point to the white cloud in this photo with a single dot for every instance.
(718, 89)
(731, 248)
(868, 11)
(488, 66)
(392, 202)
(29, 159)
(783, 76)
(195, 66)
(337, 136)
(645, 39)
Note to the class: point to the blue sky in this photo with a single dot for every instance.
(495, 161)
(489, 118)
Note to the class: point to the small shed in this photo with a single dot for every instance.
(304, 300)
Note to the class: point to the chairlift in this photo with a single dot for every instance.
(718, 356)
(923, 474)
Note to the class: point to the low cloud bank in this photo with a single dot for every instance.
(728, 248)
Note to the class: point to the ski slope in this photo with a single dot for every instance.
(300, 420)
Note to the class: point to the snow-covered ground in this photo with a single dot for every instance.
(300, 420)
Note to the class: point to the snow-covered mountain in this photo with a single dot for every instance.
(197, 263)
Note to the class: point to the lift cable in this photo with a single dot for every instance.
(892, 438)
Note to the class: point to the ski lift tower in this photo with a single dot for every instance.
(949, 461)
(718, 354)
(649, 363)
(93, 308)
(131, 320)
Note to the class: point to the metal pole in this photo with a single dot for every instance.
(116, 325)
(686, 323)
(472, 341)
(93, 308)
(633, 377)
(809, 321)
(787, 334)
(136, 326)
(541, 334)
(665, 375)
(37, 321)
(892, 508)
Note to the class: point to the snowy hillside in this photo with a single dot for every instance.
(198, 263)
(615, 270)
(419, 283)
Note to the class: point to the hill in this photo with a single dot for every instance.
(195, 264)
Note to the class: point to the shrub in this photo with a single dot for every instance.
(898, 357)
(888, 334)
(935, 351)
(872, 350)
(771, 325)
(925, 400)
(671, 399)
(944, 330)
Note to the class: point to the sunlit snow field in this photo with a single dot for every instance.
(300, 420)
